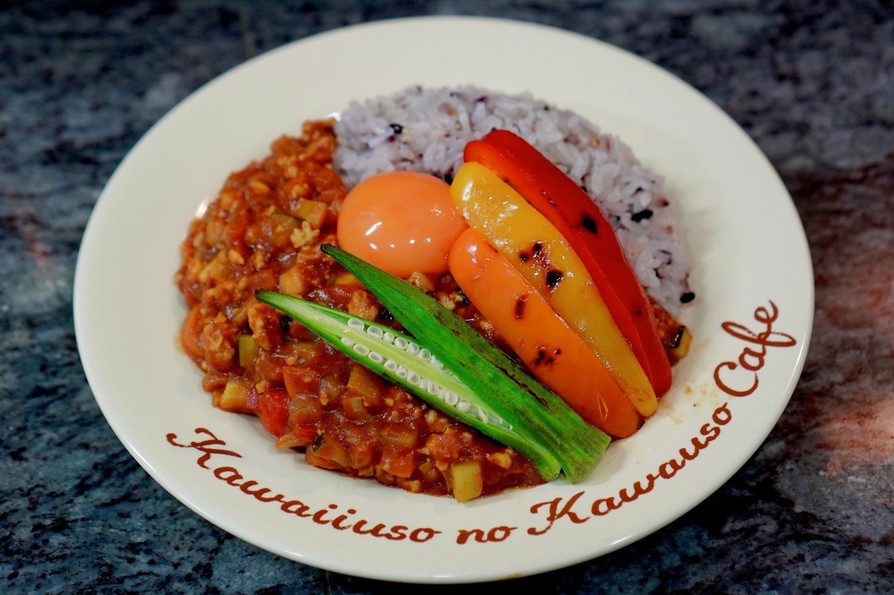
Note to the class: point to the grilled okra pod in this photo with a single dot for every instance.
(510, 392)
(402, 360)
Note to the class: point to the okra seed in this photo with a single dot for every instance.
(412, 378)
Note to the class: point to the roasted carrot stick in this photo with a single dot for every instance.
(553, 352)
(581, 221)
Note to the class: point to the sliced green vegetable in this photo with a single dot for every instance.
(510, 392)
(466, 480)
(400, 359)
(235, 396)
(248, 350)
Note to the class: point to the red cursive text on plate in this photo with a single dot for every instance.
(578, 510)
(331, 515)
(739, 378)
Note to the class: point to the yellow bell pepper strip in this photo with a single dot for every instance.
(502, 385)
(551, 349)
(537, 249)
(584, 225)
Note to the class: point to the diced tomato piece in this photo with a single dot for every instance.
(444, 447)
(273, 411)
(305, 433)
(300, 380)
(354, 407)
(328, 453)
(191, 333)
(398, 462)
(305, 409)
(399, 437)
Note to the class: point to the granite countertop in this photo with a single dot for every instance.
(811, 82)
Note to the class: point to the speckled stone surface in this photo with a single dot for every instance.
(811, 82)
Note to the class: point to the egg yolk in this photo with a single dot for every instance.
(402, 222)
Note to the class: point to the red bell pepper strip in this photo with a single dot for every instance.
(591, 236)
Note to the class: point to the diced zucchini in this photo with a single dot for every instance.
(681, 344)
(398, 436)
(312, 211)
(364, 383)
(278, 228)
(235, 396)
(248, 350)
(292, 281)
(329, 453)
(466, 480)
(345, 279)
(305, 409)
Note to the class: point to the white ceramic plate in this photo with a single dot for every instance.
(751, 265)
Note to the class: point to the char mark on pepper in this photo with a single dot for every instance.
(589, 223)
(536, 252)
(520, 303)
(546, 357)
(553, 278)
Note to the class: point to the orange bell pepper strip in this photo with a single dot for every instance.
(585, 226)
(544, 257)
(553, 352)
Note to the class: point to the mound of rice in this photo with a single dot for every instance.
(426, 129)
